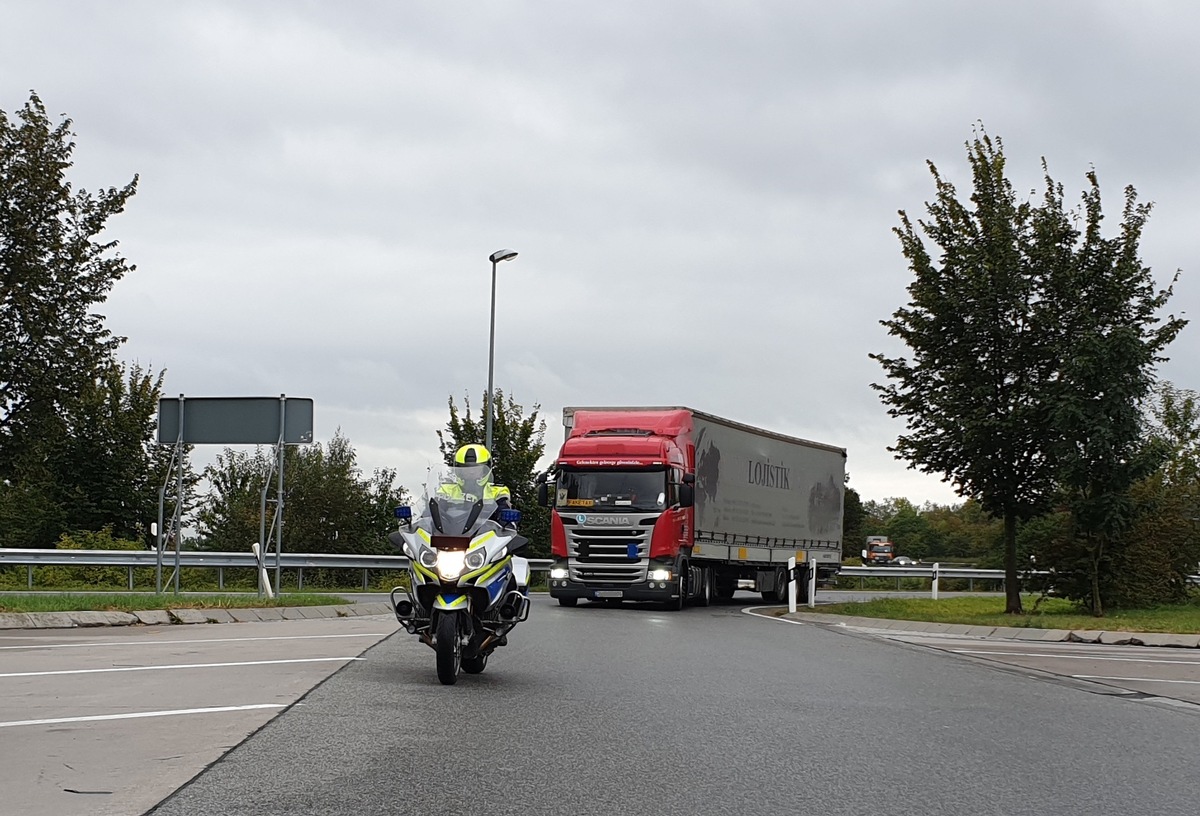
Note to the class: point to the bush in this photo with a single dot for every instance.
(99, 577)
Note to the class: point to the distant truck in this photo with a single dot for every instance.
(677, 506)
(880, 551)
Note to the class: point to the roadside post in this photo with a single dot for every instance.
(792, 584)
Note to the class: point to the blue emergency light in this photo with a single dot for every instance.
(404, 512)
(510, 516)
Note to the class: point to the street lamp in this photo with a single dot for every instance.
(496, 257)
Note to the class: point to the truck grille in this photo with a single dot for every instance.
(601, 555)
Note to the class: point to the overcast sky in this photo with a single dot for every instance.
(702, 193)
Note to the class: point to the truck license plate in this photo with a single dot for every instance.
(610, 593)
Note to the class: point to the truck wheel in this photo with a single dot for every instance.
(779, 593)
(802, 591)
(723, 586)
(568, 601)
(681, 584)
(448, 648)
(781, 585)
(704, 590)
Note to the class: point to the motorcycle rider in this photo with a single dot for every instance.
(473, 477)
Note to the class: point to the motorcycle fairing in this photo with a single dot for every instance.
(450, 601)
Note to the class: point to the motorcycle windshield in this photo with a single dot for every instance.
(458, 498)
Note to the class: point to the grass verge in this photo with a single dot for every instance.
(101, 602)
(1052, 613)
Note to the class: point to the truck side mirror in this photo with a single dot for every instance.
(543, 496)
(687, 494)
(689, 478)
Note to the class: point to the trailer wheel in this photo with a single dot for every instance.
(723, 586)
(779, 594)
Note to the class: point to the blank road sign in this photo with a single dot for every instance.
(236, 420)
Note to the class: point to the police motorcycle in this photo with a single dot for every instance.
(467, 589)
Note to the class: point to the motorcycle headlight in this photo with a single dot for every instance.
(476, 559)
(428, 559)
(450, 564)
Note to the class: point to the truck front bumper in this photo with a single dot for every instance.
(642, 591)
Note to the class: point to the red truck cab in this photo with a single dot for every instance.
(622, 501)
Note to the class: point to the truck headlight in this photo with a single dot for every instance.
(558, 573)
(450, 564)
(660, 575)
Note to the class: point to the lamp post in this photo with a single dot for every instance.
(496, 257)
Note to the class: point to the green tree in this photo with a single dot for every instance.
(110, 467)
(997, 342)
(100, 466)
(228, 517)
(54, 270)
(854, 515)
(330, 506)
(1107, 353)
(518, 442)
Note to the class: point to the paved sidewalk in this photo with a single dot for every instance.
(165, 617)
(882, 625)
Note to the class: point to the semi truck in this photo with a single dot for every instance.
(676, 506)
(880, 551)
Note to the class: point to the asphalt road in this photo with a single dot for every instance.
(112, 720)
(599, 710)
(1164, 676)
(588, 711)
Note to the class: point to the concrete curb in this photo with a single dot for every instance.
(1002, 632)
(167, 617)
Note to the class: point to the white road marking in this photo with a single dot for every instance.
(140, 714)
(1053, 656)
(181, 666)
(758, 613)
(1134, 679)
(179, 642)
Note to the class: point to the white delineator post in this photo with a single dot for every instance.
(262, 570)
(792, 584)
(935, 581)
(812, 584)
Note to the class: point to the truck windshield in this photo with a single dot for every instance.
(632, 489)
(881, 548)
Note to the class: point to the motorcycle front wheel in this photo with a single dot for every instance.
(448, 649)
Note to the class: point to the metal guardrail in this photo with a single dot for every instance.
(134, 559)
(220, 561)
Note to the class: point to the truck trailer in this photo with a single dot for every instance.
(676, 506)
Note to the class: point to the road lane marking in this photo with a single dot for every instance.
(1134, 679)
(758, 613)
(180, 666)
(140, 714)
(1052, 656)
(179, 642)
